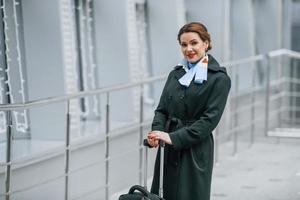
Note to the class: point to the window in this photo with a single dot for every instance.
(86, 57)
(12, 66)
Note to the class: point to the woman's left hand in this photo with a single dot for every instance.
(160, 135)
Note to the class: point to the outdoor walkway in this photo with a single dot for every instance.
(266, 171)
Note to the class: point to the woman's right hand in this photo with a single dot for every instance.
(152, 141)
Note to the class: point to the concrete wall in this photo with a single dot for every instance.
(163, 28)
(112, 54)
(44, 66)
(269, 25)
(210, 13)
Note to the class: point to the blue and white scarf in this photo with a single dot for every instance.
(198, 70)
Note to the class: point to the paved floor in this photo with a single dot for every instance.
(266, 171)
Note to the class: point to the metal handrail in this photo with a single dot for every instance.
(63, 98)
(75, 95)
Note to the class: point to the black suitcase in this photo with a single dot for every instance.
(138, 192)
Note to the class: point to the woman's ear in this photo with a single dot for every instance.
(206, 43)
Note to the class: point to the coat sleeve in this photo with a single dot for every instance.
(188, 136)
(161, 113)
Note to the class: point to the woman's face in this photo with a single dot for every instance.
(192, 46)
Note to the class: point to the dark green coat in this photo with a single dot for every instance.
(190, 114)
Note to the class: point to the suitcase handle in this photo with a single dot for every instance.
(140, 189)
(161, 167)
(146, 144)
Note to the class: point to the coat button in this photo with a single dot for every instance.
(182, 96)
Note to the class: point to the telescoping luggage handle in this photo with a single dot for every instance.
(161, 165)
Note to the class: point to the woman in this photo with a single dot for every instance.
(190, 107)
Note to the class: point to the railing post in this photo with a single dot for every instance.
(283, 62)
(67, 151)
(235, 134)
(141, 117)
(293, 91)
(107, 147)
(267, 98)
(253, 105)
(296, 74)
(8, 156)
